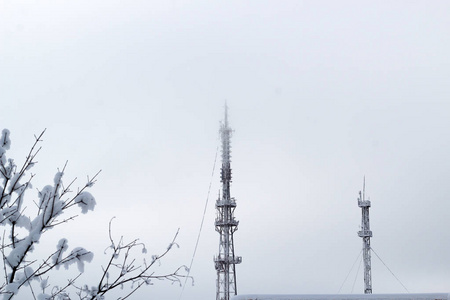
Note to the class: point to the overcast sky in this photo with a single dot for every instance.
(321, 94)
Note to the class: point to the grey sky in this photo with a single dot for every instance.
(321, 93)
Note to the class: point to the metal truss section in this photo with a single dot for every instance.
(365, 233)
(225, 262)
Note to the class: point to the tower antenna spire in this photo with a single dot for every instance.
(226, 224)
(226, 115)
(365, 234)
(364, 186)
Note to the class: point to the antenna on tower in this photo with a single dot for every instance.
(365, 234)
(364, 186)
(226, 224)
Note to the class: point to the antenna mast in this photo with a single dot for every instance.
(365, 234)
(225, 223)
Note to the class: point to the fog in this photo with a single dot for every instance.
(320, 94)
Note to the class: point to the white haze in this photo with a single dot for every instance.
(321, 94)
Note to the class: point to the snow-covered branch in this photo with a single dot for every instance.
(25, 222)
(123, 268)
(22, 232)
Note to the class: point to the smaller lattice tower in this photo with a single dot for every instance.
(226, 224)
(365, 234)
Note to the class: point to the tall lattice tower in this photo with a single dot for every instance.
(226, 224)
(365, 234)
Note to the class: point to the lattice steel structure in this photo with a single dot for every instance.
(226, 224)
(365, 234)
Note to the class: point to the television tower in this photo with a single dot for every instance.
(365, 234)
(226, 224)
